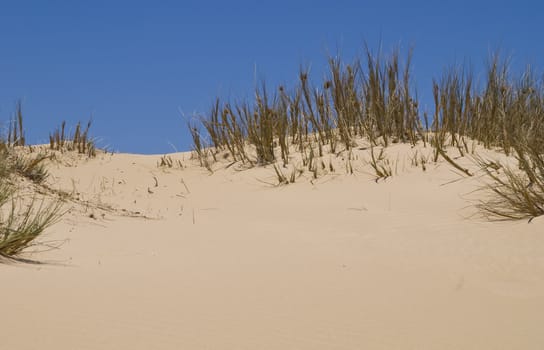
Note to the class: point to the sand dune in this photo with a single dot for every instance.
(169, 258)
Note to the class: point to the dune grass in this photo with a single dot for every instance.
(79, 141)
(517, 192)
(506, 114)
(372, 98)
(24, 222)
(16, 134)
(377, 103)
(23, 216)
(22, 219)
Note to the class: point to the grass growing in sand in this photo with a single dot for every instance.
(365, 105)
(23, 217)
(79, 141)
(372, 99)
(377, 103)
(507, 114)
(23, 214)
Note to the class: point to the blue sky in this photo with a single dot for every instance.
(133, 65)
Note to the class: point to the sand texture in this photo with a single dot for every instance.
(168, 258)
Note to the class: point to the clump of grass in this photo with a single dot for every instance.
(392, 109)
(499, 115)
(418, 159)
(381, 164)
(516, 193)
(13, 160)
(30, 168)
(345, 96)
(166, 161)
(24, 222)
(508, 113)
(5, 168)
(16, 133)
(283, 179)
(454, 114)
(199, 149)
(79, 141)
(6, 190)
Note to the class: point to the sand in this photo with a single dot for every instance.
(185, 259)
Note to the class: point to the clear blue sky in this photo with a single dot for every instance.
(133, 65)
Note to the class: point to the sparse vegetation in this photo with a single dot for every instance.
(23, 217)
(23, 222)
(517, 192)
(381, 164)
(202, 153)
(79, 141)
(419, 160)
(31, 168)
(377, 103)
(508, 114)
(166, 161)
(373, 100)
(370, 101)
(16, 133)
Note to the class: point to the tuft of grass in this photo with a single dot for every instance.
(284, 179)
(418, 159)
(24, 223)
(166, 161)
(381, 164)
(508, 113)
(12, 158)
(22, 220)
(16, 133)
(30, 168)
(392, 108)
(515, 193)
(6, 191)
(79, 141)
(199, 149)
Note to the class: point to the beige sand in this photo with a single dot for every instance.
(228, 262)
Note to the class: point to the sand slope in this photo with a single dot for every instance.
(228, 262)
